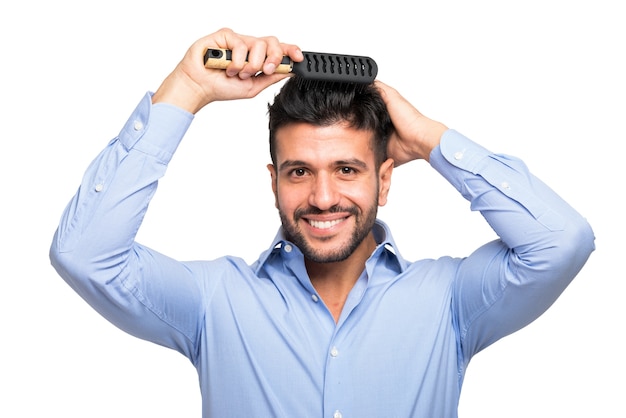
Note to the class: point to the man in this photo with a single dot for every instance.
(330, 321)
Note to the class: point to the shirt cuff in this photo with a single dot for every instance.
(459, 151)
(155, 129)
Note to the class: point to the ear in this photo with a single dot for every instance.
(274, 176)
(384, 181)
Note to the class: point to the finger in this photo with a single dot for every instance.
(239, 56)
(386, 92)
(293, 51)
(274, 55)
(257, 57)
(226, 38)
(276, 52)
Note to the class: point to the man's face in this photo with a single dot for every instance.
(327, 188)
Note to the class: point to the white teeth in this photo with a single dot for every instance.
(324, 224)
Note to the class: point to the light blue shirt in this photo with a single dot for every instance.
(262, 340)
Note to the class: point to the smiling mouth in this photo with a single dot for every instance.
(325, 224)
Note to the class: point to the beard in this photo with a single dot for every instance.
(364, 223)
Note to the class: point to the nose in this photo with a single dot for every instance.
(324, 194)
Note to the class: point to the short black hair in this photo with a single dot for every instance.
(362, 107)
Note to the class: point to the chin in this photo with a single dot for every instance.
(328, 255)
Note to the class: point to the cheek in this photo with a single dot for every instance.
(289, 197)
(362, 194)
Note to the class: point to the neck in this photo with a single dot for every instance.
(334, 281)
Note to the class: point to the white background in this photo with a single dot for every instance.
(542, 80)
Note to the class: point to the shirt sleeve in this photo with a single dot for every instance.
(94, 248)
(543, 243)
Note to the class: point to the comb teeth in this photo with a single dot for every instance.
(321, 85)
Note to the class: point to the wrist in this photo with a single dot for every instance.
(177, 91)
(429, 137)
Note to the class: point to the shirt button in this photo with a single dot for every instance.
(458, 155)
(138, 126)
(337, 414)
(315, 298)
(505, 185)
(99, 187)
(288, 248)
(334, 352)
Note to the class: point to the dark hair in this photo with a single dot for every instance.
(362, 107)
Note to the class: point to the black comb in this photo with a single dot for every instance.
(316, 70)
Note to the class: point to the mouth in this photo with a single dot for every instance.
(325, 224)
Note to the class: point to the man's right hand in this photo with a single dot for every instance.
(191, 86)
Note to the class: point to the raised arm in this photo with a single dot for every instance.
(543, 242)
(141, 291)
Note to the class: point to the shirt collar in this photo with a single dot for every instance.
(382, 236)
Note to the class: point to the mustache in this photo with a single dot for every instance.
(312, 210)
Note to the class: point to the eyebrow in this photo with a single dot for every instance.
(299, 163)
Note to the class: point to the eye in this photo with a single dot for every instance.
(298, 172)
(347, 170)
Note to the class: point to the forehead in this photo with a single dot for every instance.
(304, 141)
